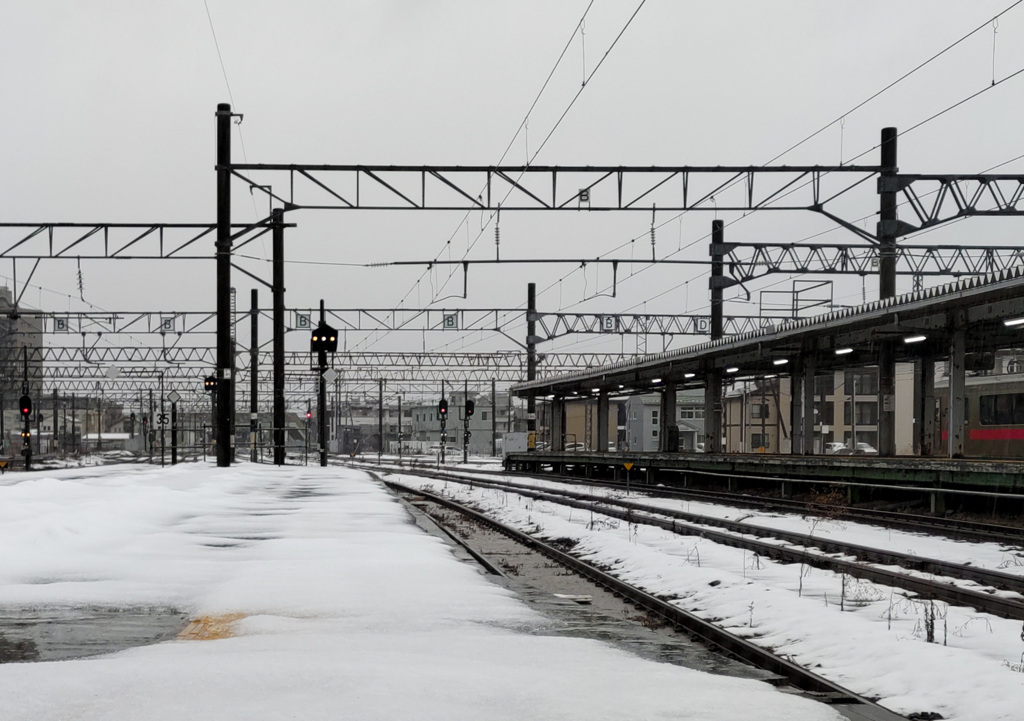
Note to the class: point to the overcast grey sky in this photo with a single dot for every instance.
(109, 117)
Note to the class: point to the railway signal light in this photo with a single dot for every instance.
(25, 404)
(324, 338)
(210, 383)
(442, 408)
(470, 407)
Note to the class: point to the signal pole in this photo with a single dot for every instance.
(26, 413)
(531, 365)
(442, 412)
(321, 396)
(467, 412)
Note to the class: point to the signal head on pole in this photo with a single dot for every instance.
(324, 338)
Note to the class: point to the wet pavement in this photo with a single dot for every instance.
(61, 633)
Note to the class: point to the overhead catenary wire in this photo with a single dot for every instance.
(532, 157)
(872, 97)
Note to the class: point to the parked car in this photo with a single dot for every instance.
(865, 449)
(835, 448)
(699, 448)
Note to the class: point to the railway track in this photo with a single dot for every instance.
(790, 547)
(955, 528)
(813, 685)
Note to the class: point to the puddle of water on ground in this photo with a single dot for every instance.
(61, 633)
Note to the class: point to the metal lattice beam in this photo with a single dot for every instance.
(120, 241)
(536, 187)
(916, 260)
(936, 199)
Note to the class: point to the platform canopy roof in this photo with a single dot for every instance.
(918, 325)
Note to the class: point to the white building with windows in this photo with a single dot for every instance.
(643, 421)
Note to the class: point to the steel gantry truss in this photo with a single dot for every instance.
(760, 259)
(179, 324)
(119, 241)
(618, 188)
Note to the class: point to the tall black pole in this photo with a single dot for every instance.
(254, 384)
(717, 266)
(531, 365)
(278, 321)
(174, 433)
(321, 395)
(713, 409)
(380, 420)
(444, 433)
(26, 435)
(465, 429)
(494, 417)
(225, 390)
(887, 233)
(887, 220)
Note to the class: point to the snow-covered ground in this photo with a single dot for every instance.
(346, 610)
(869, 638)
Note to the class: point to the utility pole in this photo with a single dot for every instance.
(380, 420)
(254, 385)
(151, 434)
(225, 362)
(531, 365)
(26, 434)
(713, 410)
(99, 417)
(888, 229)
(467, 411)
(321, 395)
(399, 426)
(278, 320)
(174, 430)
(163, 422)
(442, 412)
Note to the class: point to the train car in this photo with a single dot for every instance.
(994, 416)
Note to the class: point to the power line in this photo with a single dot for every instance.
(511, 142)
(894, 83)
(572, 102)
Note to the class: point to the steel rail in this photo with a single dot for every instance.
(668, 520)
(953, 528)
(923, 564)
(817, 686)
